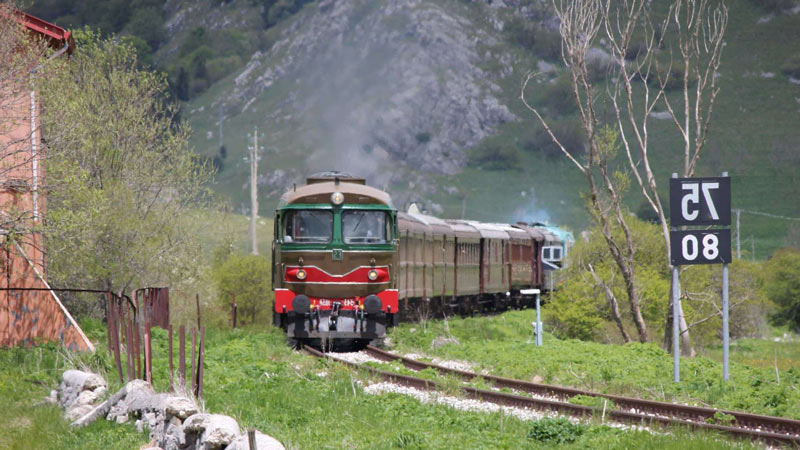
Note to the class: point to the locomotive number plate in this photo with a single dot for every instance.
(337, 254)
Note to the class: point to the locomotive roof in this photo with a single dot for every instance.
(320, 192)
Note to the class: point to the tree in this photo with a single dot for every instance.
(637, 82)
(21, 54)
(782, 285)
(121, 176)
(247, 277)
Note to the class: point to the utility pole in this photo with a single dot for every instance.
(738, 232)
(254, 190)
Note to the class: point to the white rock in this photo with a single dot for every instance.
(180, 407)
(263, 442)
(77, 411)
(661, 115)
(85, 398)
(218, 430)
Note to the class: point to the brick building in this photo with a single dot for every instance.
(29, 309)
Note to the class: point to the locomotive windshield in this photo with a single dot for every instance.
(365, 227)
(308, 226)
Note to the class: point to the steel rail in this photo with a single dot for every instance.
(755, 422)
(580, 411)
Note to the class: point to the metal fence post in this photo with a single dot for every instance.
(538, 321)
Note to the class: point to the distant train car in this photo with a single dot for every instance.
(347, 265)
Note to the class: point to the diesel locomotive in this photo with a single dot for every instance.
(347, 265)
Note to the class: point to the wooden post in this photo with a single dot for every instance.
(182, 354)
(128, 347)
(108, 322)
(171, 386)
(194, 378)
(233, 310)
(113, 311)
(148, 349)
(137, 337)
(197, 301)
(201, 355)
(251, 438)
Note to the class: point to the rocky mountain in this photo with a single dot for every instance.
(422, 98)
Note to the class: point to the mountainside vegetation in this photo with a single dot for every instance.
(423, 99)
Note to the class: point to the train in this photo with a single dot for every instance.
(347, 265)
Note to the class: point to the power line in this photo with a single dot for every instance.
(759, 213)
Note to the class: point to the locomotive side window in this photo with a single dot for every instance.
(365, 227)
(308, 226)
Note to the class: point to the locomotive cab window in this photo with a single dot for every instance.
(308, 227)
(366, 227)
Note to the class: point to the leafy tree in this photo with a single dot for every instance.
(782, 285)
(182, 85)
(148, 24)
(247, 277)
(120, 174)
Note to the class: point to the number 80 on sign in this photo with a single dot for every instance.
(700, 247)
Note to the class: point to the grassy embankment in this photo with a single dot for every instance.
(253, 376)
(503, 345)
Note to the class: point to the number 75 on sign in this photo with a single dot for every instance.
(700, 201)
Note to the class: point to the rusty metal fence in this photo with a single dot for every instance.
(130, 322)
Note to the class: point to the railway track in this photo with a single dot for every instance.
(772, 430)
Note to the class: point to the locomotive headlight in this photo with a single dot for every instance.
(337, 198)
(372, 275)
(301, 274)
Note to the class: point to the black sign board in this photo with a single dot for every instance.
(700, 201)
(700, 247)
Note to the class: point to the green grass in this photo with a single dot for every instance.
(253, 376)
(502, 345)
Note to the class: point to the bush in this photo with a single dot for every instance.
(248, 278)
(791, 67)
(569, 133)
(782, 285)
(542, 42)
(774, 5)
(556, 431)
(558, 97)
(495, 156)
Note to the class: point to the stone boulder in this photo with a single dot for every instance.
(216, 430)
(74, 382)
(263, 442)
(180, 407)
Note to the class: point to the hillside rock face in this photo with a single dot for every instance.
(377, 83)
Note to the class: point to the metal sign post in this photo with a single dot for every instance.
(693, 202)
(537, 293)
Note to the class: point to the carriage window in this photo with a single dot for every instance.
(365, 227)
(557, 254)
(546, 253)
(308, 226)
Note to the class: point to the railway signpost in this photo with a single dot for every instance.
(696, 202)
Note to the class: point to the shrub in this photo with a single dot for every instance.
(495, 156)
(791, 66)
(558, 96)
(782, 285)
(248, 278)
(568, 132)
(774, 5)
(542, 42)
(556, 431)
